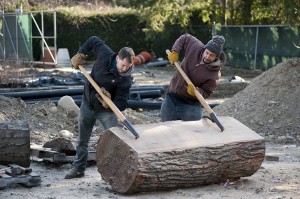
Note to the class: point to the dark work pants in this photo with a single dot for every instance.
(175, 108)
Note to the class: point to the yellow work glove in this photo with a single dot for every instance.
(77, 60)
(105, 92)
(173, 57)
(190, 90)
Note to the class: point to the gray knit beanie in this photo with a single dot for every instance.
(216, 44)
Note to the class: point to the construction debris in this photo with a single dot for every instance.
(48, 155)
(13, 174)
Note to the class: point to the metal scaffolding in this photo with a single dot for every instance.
(16, 37)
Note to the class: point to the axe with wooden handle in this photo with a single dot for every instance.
(212, 115)
(110, 103)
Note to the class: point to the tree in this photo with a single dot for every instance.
(276, 12)
(159, 14)
(240, 12)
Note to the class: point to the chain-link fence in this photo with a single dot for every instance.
(259, 46)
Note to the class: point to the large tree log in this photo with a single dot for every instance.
(178, 154)
(15, 143)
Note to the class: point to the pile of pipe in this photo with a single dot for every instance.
(147, 97)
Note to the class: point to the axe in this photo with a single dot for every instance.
(211, 113)
(110, 103)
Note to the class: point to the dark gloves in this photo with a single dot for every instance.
(105, 92)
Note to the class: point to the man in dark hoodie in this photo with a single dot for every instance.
(202, 64)
(112, 72)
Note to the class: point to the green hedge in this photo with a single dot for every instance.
(117, 30)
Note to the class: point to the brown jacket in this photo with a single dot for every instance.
(204, 76)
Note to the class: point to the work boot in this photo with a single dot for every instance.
(74, 174)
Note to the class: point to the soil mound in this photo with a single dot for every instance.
(269, 105)
(46, 120)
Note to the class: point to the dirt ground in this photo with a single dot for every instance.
(269, 106)
(274, 180)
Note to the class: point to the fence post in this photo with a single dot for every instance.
(256, 43)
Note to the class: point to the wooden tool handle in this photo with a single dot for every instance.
(106, 99)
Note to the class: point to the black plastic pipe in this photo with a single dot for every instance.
(145, 88)
(56, 98)
(137, 95)
(75, 92)
(157, 63)
(44, 93)
(28, 89)
(134, 104)
(13, 91)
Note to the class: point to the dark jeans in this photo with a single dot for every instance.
(176, 108)
(86, 120)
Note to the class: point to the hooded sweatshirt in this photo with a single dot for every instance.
(204, 76)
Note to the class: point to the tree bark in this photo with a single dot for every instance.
(178, 154)
(15, 143)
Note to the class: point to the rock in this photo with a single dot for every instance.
(282, 139)
(53, 109)
(42, 110)
(67, 103)
(72, 113)
(65, 134)
(60, 144)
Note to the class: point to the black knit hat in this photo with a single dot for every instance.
(216, 44)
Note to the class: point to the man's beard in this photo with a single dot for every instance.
(206, 62)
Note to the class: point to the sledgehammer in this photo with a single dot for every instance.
(212, 115)
(110, 103)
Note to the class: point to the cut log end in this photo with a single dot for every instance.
(116, 162)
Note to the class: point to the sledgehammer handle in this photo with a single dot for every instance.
(198, 95)
(110, 103)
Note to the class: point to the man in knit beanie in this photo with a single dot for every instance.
(215, 45)
(202, 64)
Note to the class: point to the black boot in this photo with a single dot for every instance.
(74, 174)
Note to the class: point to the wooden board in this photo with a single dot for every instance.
(43, 154)
(178, 154)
